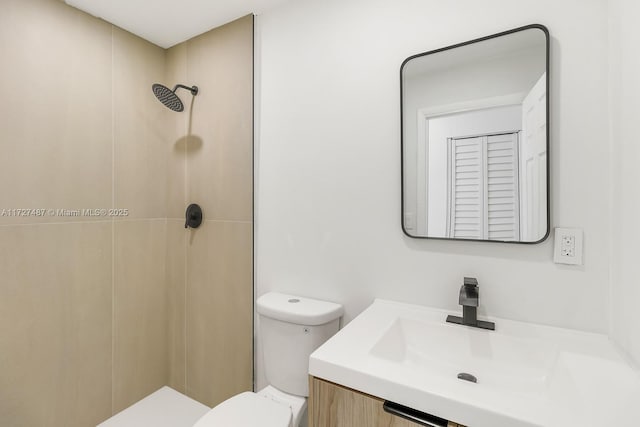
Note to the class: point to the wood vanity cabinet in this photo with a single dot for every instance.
(332, 405)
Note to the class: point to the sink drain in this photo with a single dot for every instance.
(467, 377)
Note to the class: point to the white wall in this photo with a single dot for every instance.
(625, 69)
(328, 199)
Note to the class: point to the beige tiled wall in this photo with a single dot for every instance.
(176, 279)
(219, 312)
(56, 115)
(55, 324)
(56, 280)
(140, 358)
(215, 325)
(96, 312)
(141, 141)
(219, 173)
(177, 128)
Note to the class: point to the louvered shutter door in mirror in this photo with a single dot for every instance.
(483, 187)
(466, 216)
(502, 187)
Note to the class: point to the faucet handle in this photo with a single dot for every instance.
(469, 292)
(470, 282)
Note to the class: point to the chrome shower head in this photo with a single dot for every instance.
(169, 98)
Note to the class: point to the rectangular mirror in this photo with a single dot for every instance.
(475, 139)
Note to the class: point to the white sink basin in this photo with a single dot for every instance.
(443, 349)
(527, 375)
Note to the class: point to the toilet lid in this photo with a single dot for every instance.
(247, 410)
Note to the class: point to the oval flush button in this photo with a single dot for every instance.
(294, 300)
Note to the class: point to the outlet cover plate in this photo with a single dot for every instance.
(568, 246)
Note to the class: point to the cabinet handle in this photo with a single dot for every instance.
(414, 415)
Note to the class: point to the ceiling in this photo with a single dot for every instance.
(169, 22)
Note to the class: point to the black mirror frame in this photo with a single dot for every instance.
(493, 36)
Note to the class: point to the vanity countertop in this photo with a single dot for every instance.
(527, 374)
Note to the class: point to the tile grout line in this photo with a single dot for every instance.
(107, 221)
(113, 226)
(254, 135)
(233, 221)
(185, 129)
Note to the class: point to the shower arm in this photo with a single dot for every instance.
(193, 89)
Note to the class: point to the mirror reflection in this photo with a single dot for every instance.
(475, 141)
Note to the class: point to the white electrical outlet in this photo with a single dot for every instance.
(568, 246)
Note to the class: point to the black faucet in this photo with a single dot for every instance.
(468, 299)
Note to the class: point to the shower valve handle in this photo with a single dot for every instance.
(193, 216)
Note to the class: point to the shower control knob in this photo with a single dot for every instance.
(193, 216)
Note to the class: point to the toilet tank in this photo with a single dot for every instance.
(292, 327)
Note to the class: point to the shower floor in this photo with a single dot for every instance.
(163, 408)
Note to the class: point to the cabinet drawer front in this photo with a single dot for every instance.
(331, 405)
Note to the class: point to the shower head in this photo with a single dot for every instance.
(169, 98)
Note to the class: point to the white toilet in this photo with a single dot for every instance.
(292, 328)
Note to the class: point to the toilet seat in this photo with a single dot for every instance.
(247, 410)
